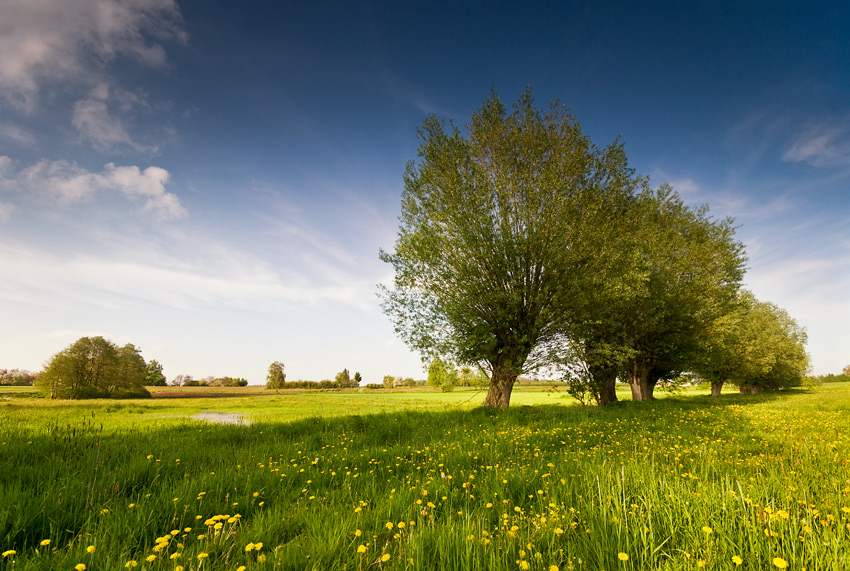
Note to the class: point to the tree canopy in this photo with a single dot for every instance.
(93, 367)
(499, 228)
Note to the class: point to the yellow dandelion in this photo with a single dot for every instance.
(385, 557)
(9, 553)
(736, 559)
(779, 563)
(150, 558)
(559, 531)
(80, 567)
(249, 547)
(44, 542)
(553, 568)
(523, 565)
(178, 568)
(202, 556)
(361, 549)
(240, 568)
(389, 525)
(358, 533)
(623, 556)
(130, 564)
(261, 558)
(90, 549)
(707, 530)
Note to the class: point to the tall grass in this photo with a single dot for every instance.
(431, 482)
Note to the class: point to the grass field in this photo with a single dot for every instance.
(426, 480)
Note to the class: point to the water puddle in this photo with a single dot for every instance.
(221, 417)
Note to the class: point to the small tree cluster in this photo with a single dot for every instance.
(17, 377)
(94, 367)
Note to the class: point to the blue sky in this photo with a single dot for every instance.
(212, 181)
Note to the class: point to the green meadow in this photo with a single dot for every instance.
(426, 480)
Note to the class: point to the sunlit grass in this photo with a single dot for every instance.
(427, 480)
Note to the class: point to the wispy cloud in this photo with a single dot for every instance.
(60, 40)
(66, 182)
(825, 144)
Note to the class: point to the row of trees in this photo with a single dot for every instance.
(276, 379)
(524, 246)
(94, 367)
(211, 381)
(17, 377)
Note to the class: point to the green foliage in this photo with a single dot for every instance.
(388, 381)
(153, 374)
(436, 372)
(94, 367)
(342, 379)
(16, 378)
(499, 229)
(829, 378)
(409, 382)
(276, 378)
(357, 379)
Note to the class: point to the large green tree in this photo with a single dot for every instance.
(95, 367)
(499, 229)
(155, 376)
(691, 267)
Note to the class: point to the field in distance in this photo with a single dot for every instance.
(422, 479)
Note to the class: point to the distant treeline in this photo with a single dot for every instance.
(17, 377)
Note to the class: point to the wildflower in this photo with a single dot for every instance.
(523, 564)
(202, 556)
(178, 568)
(150, 558)
(249, 547)
(361, 549)
(389, 525)
(9, 553)
(240, 568)
(779, 563)
(130, 564)
(175, 555)
(261, 558)
(707, 530)
(558, 531)
(623, 556)
(80, 567)
(90, 549)
(736, 559)
(553, 568)
(701, 563)
(258, 546)
(44, 542)
(357, 533)
(385, 557)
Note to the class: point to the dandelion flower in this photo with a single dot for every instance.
(130, 564)
(150, 558)
(80, 567)
(9, 553)
(707, 530)
(90, 549)
(44, 542)
(736, 559)
(389, 525)
(523, 565)
(261, 558)
(361, 549)
(385, 557)
(553, 568)
(558, 531)
(202, 556)
(779, 563)
(240, 568)
(357, 533)
(249, 547)
(623, 556)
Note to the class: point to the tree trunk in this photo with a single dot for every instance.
(605, 384)
(639, 382)
(716, 386)
(501, 384)
(750, 389)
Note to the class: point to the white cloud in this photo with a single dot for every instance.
(821, 145)
(67, 182)
(104, 131)
(69, 41)
(16, 135)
